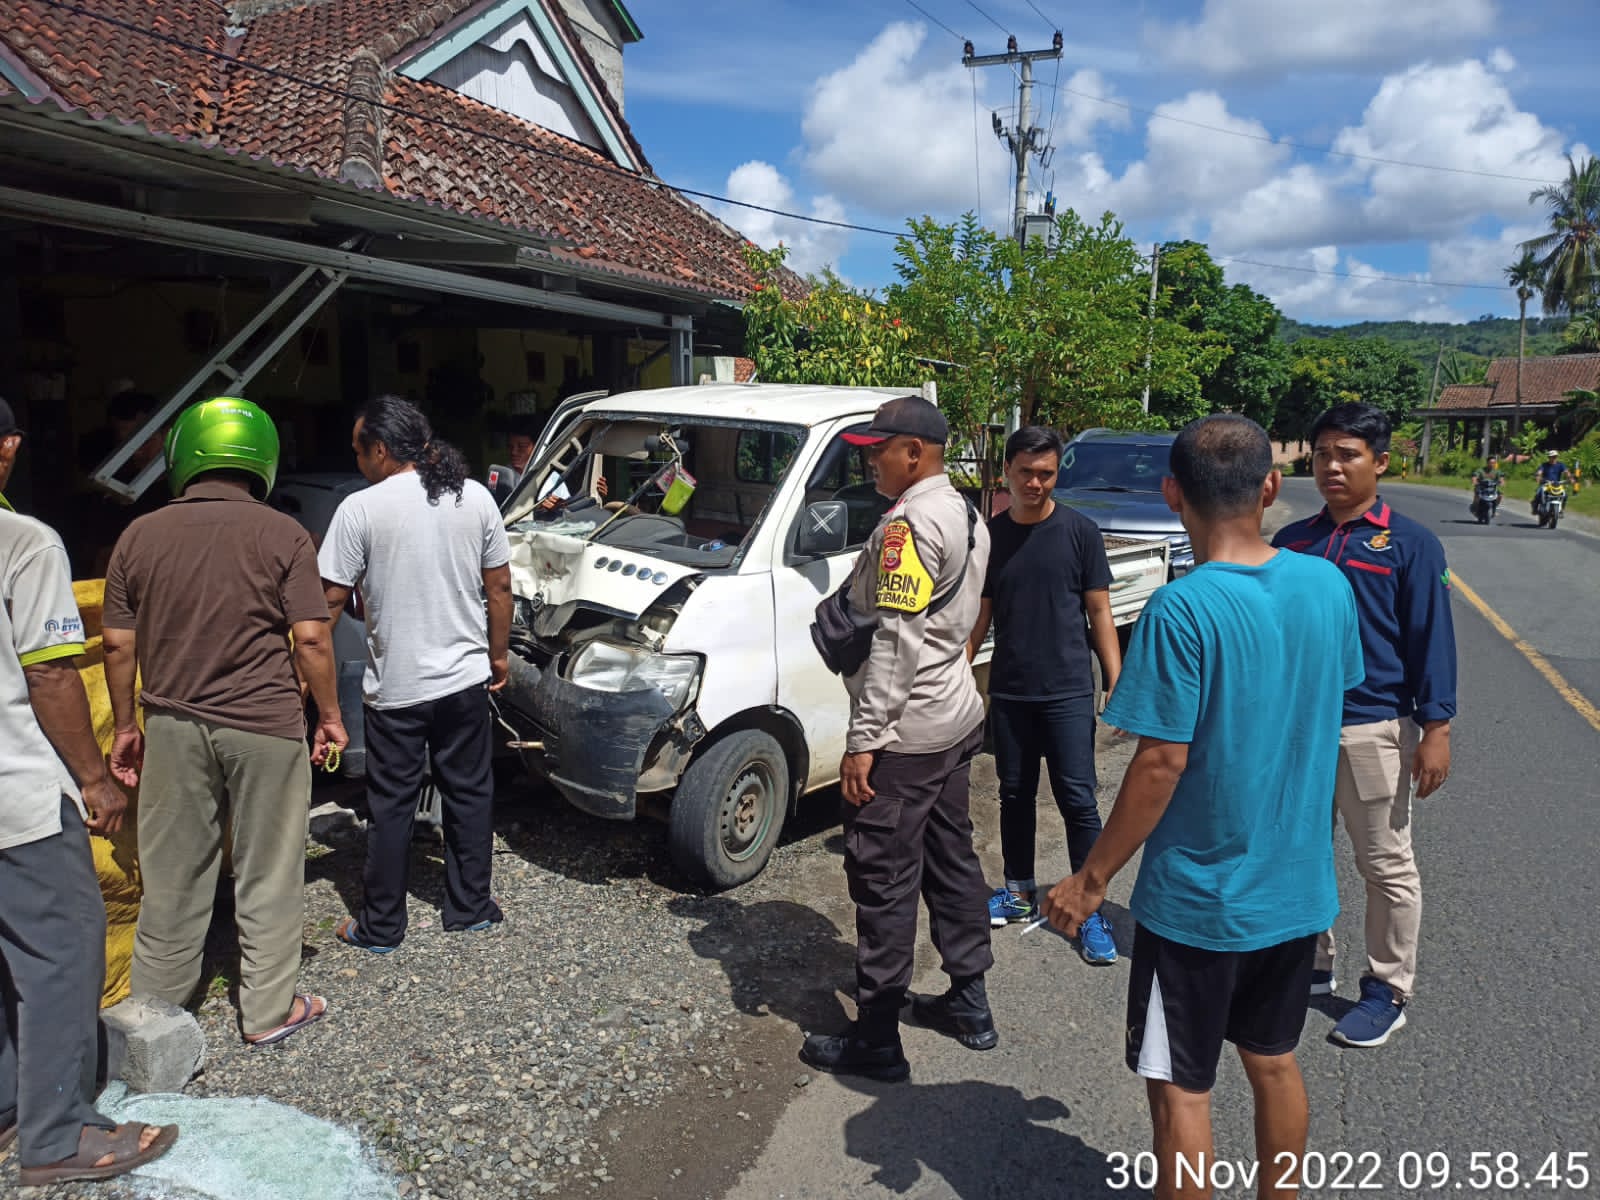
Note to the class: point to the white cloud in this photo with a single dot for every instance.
(1321, 284)
(895, 136)
(1187, 172)
(1077, 118)
(1236, 37)
(811, 246)
(1458, 115)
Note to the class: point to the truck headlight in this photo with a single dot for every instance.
(608, 667)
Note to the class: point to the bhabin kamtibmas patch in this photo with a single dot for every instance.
(903, 582)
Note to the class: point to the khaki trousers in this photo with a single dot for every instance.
(1373, 798)
(206, 787)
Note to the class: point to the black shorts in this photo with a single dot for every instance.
(1183, 1003)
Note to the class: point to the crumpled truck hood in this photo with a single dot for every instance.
(556, 569)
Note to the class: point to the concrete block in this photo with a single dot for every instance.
(151, 1045)
(330, 819)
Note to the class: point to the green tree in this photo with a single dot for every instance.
(1525, 276)
(1325, 372)
(834, 334)
(1061, 333)
(1569, 255)
(1580, 413)
(1253, 373)
(1582, 334)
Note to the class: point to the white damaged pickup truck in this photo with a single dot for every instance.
(667, 550)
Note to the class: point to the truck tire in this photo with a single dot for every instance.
(728, 810)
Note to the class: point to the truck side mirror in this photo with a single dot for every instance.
(824, 529)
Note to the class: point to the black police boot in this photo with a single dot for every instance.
(962, 1013)
(870, 1047)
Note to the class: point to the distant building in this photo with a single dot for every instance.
(1469, 411)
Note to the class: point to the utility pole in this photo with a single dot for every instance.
(1150, 330)
(1025, 139)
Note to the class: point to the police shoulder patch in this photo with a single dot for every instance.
(903, 582)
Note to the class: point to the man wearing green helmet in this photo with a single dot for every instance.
(202, 599)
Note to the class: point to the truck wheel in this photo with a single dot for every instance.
(729, 808)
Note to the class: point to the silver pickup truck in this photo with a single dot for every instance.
(661, 639)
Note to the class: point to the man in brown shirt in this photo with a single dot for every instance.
(201, 598)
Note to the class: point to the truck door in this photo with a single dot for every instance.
(805, 687)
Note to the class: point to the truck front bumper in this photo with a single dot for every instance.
(594, 742)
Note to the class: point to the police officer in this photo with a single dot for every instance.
(916, 721)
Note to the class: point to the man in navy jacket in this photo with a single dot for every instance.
(1395, 745)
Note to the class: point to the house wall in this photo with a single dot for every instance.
(512, 70)
(601, 36)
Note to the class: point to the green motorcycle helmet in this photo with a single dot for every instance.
(224, 433)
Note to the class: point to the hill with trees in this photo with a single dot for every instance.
(1487, 337)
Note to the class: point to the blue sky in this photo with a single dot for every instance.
(862, 112)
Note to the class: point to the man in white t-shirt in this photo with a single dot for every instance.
(426, 545)
(52, 920)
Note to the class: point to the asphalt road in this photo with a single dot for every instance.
(1500, 1057)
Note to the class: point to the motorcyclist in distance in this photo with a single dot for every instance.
(1552, 471)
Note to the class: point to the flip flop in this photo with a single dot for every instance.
(350, 934)
(309, 1016)
(94, 1143)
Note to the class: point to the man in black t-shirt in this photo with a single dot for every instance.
(1047, 592)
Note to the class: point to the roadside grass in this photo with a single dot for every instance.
(1586, 501)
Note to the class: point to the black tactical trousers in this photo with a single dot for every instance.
(915, 835)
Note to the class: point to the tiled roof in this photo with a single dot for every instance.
(617, 223)
(1545, 381)
(1465, 395)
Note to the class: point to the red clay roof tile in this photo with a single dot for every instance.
(521, 175)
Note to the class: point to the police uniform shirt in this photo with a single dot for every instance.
(915, 694)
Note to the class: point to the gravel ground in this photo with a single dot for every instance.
(535, 1059)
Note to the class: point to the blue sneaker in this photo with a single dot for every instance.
(1095, 942)
(1376, 1015)
(1005, 906)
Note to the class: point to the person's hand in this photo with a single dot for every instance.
(499, 672)
(330, 732)
(854, 770)
(601, 486)
(1071, 902)
(127, 756)
(1431, 765)
(106, 804)
(550, 503)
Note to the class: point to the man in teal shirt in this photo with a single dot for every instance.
(1234, 683)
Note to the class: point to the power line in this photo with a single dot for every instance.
(1250, 262)
(454, 126)
(936, 20)
(974, 7)
(1293, 145)
(1042, 17)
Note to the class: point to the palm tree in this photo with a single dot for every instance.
(1523, 275)
(1581, 411)
(1583, 332)
(1569, 255)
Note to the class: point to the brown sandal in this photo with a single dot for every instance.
(94, 1143)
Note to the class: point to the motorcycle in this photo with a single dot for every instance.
(1553, 504)
(1485, 500)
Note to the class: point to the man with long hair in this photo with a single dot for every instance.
(425, 544)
